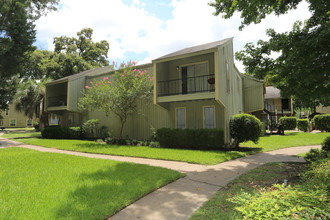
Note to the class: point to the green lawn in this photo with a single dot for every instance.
(266, 143)
(192, 156)
(21, 134)
(290, 139)
(36, 185)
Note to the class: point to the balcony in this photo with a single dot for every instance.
(57, 101)
(277, 108)
(187, 85)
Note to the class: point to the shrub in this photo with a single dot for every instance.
(280, 202)
(58, 132)
(245, 127)
(190, 138)
(288, 123)
(310, 200)
(90, 127)
(302, 124)
(322, 122)
(36, 125)
(326, 144)
(314, 155)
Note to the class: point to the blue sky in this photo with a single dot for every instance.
(143, 30)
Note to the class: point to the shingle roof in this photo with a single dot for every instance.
(272, 93)
(196, 48)
(97, 71)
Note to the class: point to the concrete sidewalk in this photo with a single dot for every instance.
(180, 199)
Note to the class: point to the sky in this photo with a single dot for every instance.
(143, 30)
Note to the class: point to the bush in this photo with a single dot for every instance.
(288, 123)
(245, 127)
(302, 124)
(90, 127)
(314, 155)
(322, 122)
(58, 132)
(201, 138)
(309, 200)
(326, 144)
(36, 125)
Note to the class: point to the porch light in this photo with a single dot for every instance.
(177, 67)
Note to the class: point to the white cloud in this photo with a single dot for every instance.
(121, 25)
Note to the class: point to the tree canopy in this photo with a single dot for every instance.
(17, 33)
(71, 55)
(302, 68)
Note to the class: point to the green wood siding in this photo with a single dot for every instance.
(253, 95)
(76, 87)
(19, 117)
(194, 113)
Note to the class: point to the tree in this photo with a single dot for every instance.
(71, 55)
(302, 68)
(118, 93)
(17, 33)
(30, 98)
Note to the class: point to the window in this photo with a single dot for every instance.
(227, 78)
(238, 84)
(180, 116)
(209, 117)
(29, 122)
(12, 122)
(7, 112)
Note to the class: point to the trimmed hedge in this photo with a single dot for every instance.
(302, 124)
(326, 144)
(245, 127)
(58, 132)
(322, 122)
(202, 139)
(288, 123)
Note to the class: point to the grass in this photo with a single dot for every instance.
(36, 185)
(191, 156)
(218, 207)
(290, 139)
(18, 129)
(21, 134)
(266, 143)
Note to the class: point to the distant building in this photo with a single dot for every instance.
(15, 119)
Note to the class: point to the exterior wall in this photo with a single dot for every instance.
(253, 95)
(21, 119)
(75, 88)
(228, 84)
(138, 125)
(194, 113)
(323, 110)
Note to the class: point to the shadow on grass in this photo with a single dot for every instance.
(104, 192)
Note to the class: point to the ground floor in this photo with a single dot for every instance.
(182, 114)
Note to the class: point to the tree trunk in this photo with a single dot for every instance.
(122, 121)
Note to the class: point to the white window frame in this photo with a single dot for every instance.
(176, 117)
(214, 119)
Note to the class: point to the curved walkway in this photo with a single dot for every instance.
(180, 199)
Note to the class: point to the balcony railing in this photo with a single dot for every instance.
(186, 85)
(277, 108)
(57, 101)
